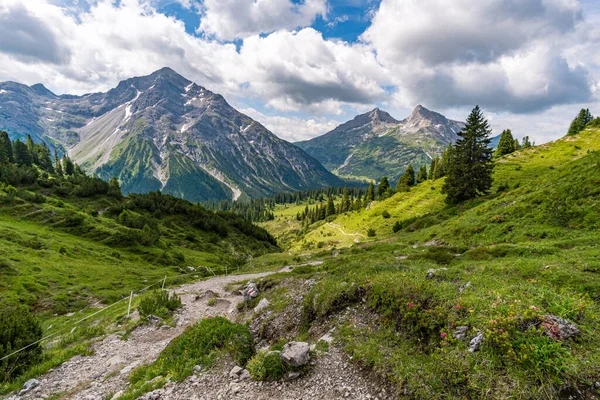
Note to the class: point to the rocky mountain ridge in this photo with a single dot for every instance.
(375, 144)
(163, 132)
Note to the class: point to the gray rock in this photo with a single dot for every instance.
(245, 375)
(262, 304)
(296, 354)
(475, 343)
(29, 386)
(465, 286)
(431, 273)
(559, 328)
(235, 372)
(197, 368)
(460, 333)
(153, 319)
(292, 375)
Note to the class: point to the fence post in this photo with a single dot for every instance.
(163, 285)
(129, 307)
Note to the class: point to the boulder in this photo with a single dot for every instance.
(245, 375)
(235, 372)
(262, 304)
(460, 333)
(559, 328)
(475, 343)
(296, 354)
(29, 386)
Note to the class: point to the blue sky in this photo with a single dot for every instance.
(301, 67)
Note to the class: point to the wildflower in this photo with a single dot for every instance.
(580, 305)
(534, 308)
(411, 305)
(443, 335)
(471, 310)
(500, 330)
(458, 306)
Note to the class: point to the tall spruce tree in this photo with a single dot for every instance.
(330, 206)
(383, 187)
(6, 150)
(583, 118)
(371, 192)
(346, 203)
(68, 166)
(432, 167)
(506, 145)
(21, 154)
(526, 143)
(406, 180)
(469, 171)
(422, 175)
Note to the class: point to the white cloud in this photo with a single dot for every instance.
(293, 129)
(505, 55)
(233, 19)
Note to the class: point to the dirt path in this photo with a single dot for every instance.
(107, 371)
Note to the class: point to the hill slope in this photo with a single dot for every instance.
(163, 131)
(374, 144)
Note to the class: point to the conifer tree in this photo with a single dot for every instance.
(434, 161)
(371, 192)
(422, 175)
(32, 150)
(21, 153)
(506, 145)
(406, 180)
(517, 145)
(583, 118)
(43, 157)
(345, 201)
(68, 166)
(330, 206)
(383, 186)
(469, 171)
(526, 143)
(6, 154)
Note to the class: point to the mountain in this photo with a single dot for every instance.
(163, 132)
(375, 144)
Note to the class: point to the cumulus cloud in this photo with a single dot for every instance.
(505, 55)
(295, 70)
(233, 19)
(293, 129)
(25, 37)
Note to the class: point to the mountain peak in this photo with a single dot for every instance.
(42, 90)
(381, 116)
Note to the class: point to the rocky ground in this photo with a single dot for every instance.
(106, 372)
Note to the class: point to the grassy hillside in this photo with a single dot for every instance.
(503, 265)
(530, 170)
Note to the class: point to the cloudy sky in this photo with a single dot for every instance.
(303, 66)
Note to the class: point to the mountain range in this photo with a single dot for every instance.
(375, 144)
(163, 132)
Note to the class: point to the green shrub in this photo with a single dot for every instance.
(397, 227)
(18, 328)
(159, 303)
(202, 345)
(266, 366)
(371, 232)
(385, 214)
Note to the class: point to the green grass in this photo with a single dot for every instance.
(530, 248)
(203, 344)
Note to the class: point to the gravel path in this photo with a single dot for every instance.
(106, 372)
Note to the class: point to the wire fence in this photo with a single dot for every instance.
(197, 271)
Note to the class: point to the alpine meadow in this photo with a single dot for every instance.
(299, 199)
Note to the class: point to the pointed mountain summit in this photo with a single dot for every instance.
(163, 132)
(375, 144)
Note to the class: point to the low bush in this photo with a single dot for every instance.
(159, 303)
(202, 344)
(18, 328)
(266, 366)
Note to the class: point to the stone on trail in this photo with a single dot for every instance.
(475, 343)
(262, 304)
(29, 385)
(235, 372)
(251, 291)
(460, 333)
(296, 354)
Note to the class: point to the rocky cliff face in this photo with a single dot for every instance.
(374, 144)
(163, 131)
